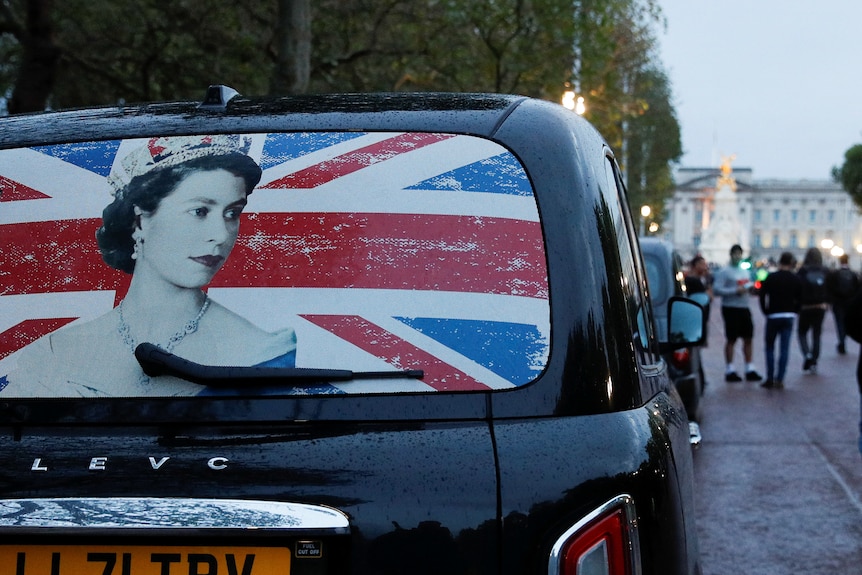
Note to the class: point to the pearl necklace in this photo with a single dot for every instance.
(189, 328)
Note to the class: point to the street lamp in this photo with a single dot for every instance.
(826, 244)
(645, 212)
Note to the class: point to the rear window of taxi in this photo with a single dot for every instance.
(334, 250)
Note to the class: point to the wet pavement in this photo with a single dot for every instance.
(779, 473)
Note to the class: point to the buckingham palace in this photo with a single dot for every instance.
(773, 215)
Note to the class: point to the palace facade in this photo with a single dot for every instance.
(774, 216)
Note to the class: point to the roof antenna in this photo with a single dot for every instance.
(217, 98)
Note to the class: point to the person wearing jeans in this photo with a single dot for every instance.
(780, 299)
(815, 298)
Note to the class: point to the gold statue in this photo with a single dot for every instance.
(726, 178)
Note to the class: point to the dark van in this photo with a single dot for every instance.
(368, 334)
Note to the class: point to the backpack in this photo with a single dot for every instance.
(814, 286)
(846, 283)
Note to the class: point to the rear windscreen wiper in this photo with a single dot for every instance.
(156, 361)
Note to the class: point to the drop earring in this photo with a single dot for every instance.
(136, 234)
(139, 242)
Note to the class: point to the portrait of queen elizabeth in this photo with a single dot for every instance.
(171, 226)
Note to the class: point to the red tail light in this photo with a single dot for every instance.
(682, 358)
(603, 543)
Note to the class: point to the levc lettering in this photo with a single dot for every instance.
(100, 463)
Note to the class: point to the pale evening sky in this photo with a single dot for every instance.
(778, 83)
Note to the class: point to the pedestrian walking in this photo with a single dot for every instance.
(853, 316)
(859, 383)
(815, 297)
(842, 284)
(699, 281)
(780, 299)
(732, 283)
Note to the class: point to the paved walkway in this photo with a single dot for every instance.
(779, 473)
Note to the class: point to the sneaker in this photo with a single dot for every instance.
(732, 377)
(694, 436)
(807, 364)
(752, 376)
(768, 384)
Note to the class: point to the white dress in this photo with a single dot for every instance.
(100, 366)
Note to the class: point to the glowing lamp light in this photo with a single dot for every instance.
(580, 106)
(573, 102)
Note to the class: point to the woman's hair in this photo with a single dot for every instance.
(813, 257)
(148, 190)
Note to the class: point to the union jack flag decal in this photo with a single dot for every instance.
(381, 250)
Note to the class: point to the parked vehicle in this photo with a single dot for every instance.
(664, 268)
(392, 333)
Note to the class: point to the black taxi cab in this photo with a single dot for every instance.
(368, 334)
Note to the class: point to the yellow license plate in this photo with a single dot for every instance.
(144, 560)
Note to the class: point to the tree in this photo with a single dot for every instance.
(614, 43)
(90, 52)
(292, 47)
(34, 59)
(849, 175)
(653, 143)
(628, 94)
(451, 45)
(139, 50)
(98, 52)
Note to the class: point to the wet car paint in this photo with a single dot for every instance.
(479, 482)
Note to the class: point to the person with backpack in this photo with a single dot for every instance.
(843, 283)
(815, 298)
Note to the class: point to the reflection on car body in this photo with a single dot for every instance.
(378, 357)
(666, 280)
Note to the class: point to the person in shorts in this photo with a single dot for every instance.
(732, 284)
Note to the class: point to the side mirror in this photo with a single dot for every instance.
(686, 323)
